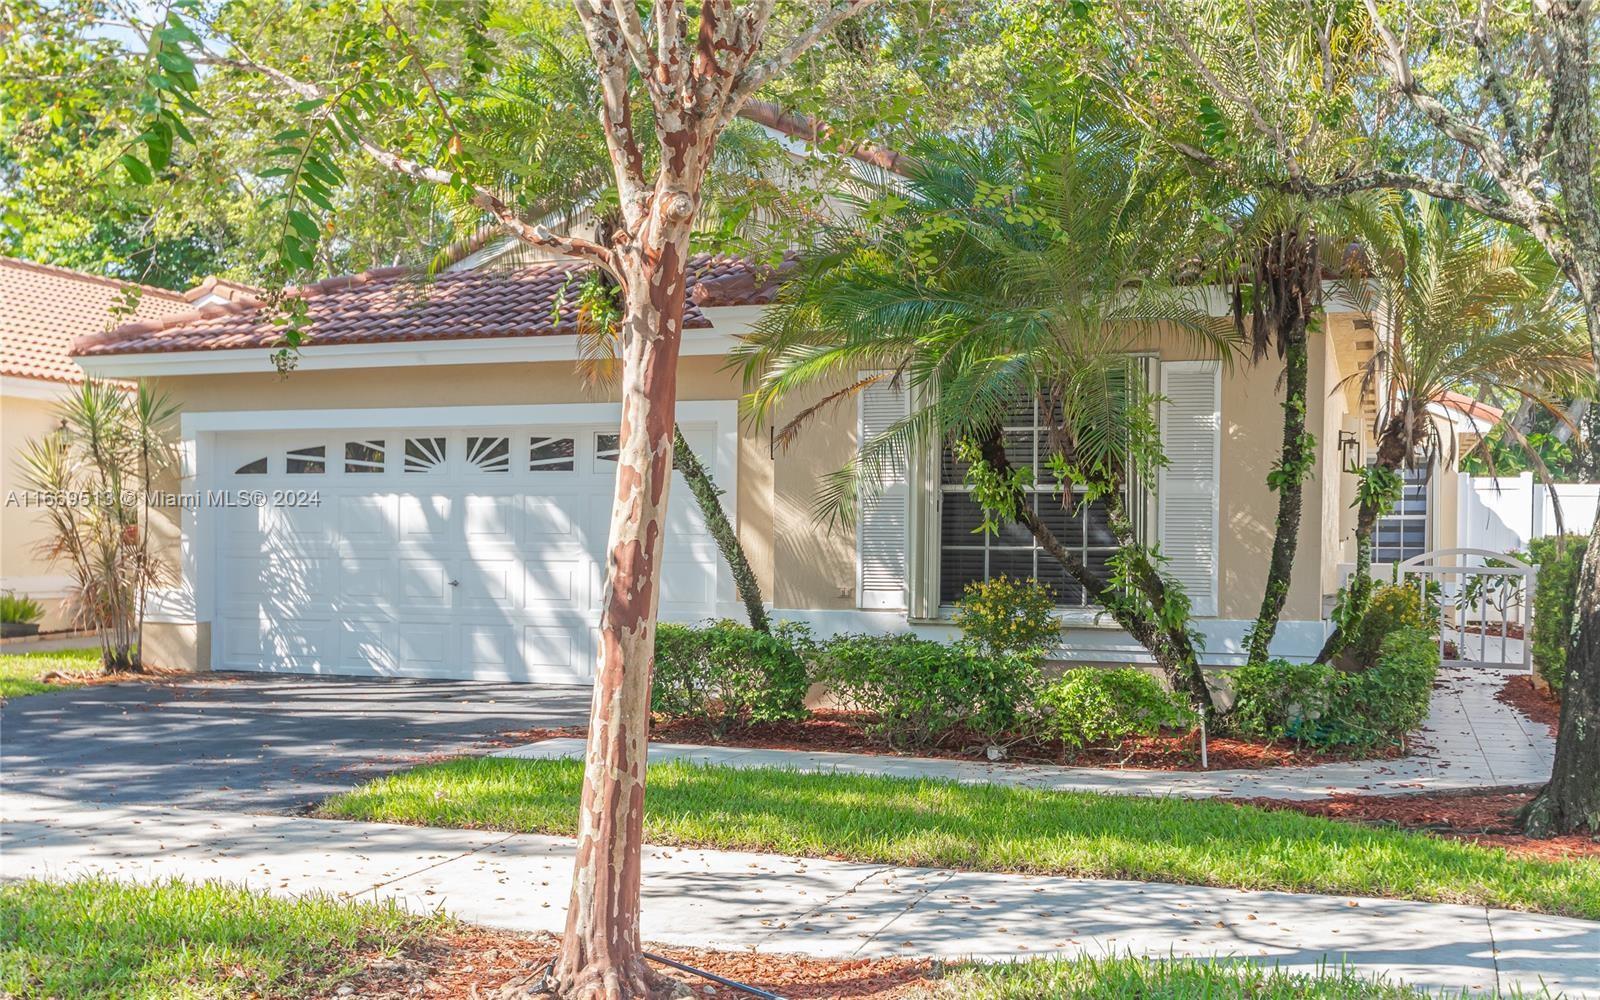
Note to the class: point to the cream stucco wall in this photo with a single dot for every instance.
(26, 416)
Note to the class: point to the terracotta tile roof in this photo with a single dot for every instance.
(42, 308)
(222, 287)
(400, 304)
(1476, 410)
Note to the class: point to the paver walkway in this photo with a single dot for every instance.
(782, 904)
(1469, 741)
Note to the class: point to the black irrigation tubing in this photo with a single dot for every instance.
(753, 991)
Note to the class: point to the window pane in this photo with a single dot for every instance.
(547, 454)
(307, 461)
(960, 520)
(1015, 563)
(1065, 524)
(489, 454)
(1098, 523)
(425, 454)
(363, 456)
(256, 468)
(606, 447)
(957, 568)
(1054, 575)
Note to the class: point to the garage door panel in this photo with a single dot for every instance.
(367, 647)
(556, 650)
(423, 649)
(490, 519)
(688, 582)
(492, 648)
(556, 582)
(369, 518)
(366, 579)
(284, 583)
(423, 583)
(428, 518)
(549, 520)
(488, 582)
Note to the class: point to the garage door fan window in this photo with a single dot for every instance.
(363, 456)
(308, 461)
(550, 454)
(489, 454)
(425, 454)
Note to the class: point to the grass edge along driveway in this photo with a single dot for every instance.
(941, 824)
(103, 938)
(20, 672)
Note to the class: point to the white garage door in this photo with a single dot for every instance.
(431, 552)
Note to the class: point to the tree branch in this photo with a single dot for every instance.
(756, 75)
(532, 233)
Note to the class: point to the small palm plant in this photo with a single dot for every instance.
(96, 474)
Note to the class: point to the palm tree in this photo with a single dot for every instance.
(1026, 267)
(1283, 250)
(1464, 309)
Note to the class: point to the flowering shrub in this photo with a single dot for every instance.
(1008, 616)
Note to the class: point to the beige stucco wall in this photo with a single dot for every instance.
(23, 528)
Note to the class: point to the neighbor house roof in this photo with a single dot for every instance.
(43, 308)
(403, 304)
(1479, 415)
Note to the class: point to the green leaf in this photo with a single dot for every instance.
(311, 104)
(137, 171)
(305, 226)
(290, 135)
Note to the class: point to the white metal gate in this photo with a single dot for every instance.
(1484, 601)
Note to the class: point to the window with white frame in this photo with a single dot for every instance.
(967, 554)
(1403, 532)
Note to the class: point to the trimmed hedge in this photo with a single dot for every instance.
(1319, 705)
(1555, 594)
(921, 690)
(730, 673)
(1092, 704)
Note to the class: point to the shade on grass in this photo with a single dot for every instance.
(988, 828)
(1096, 979)
(100, 938)
(20, 672)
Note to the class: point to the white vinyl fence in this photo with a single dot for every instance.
(1502, 515)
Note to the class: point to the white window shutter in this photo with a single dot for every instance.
(1187, 493)
(881, 524)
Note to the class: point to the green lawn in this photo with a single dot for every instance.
(99, 938)
(1095, 979)
(987, 828)
(20, 672)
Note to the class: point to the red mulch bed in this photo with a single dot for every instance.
(845, 732)
(1535, 702)
(475, 963)
(1484, 816)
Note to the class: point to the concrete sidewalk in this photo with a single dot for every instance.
(1469, 741)
(831, 909)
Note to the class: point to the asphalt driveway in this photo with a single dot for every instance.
(252, 742)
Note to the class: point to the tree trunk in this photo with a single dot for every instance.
(600, 953)
(1171, 648)
(708, 497)
(1297, 448)
(1570, 802)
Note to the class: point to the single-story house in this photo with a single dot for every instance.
(42, 308)
(428, 492)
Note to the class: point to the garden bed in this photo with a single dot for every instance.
(847, 732)
(1536, 703)
(1485, 816)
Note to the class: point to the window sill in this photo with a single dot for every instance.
(1084, 619)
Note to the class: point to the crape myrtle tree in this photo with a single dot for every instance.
(389, 95)
(1490, 106)
(1028, 264)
